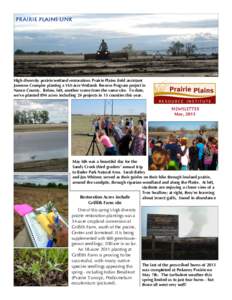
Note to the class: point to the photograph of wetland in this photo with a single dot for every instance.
(40, 135)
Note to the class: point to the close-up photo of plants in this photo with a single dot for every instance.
(40, 267)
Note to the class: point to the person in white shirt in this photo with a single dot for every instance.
(184, 159)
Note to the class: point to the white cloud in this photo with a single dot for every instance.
(58, 109)
(132, 25)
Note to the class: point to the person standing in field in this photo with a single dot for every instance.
(121, 123)
(96, 124)
(202, 134)
(131, 123)
(117, 133)
(107, 125)
(127, 123)
(139, 141)
(124, 143)
(141, 122)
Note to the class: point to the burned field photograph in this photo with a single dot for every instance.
(40, 135)
(183, 146)
(40, 211)
(40, 267)
(180, 233)
(109, 127)
(159, 45)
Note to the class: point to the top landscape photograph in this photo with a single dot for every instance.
(158, 45)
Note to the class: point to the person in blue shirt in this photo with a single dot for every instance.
(200, 147)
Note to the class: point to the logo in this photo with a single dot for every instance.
(184, 93)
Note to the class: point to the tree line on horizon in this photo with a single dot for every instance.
(175, 49)
(48, 185)
(22, 52)
(214, 127)
(31, 117)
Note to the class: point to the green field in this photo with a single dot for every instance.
(81, 127)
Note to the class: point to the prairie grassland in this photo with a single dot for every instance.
(40, 127)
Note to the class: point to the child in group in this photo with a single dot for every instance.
(184, 159)
(214, 148)
(159, 160)
(173, 149)
(211, 154)
(193, 156)
(200, 147)
(138, 143)
(208, 155)
(102, 138)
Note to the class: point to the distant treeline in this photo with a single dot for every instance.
(49, 185)
(31, 117)
(108, 115)
(21, 52)
(176, 48)
(166, 129)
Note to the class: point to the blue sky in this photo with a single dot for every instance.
(145, 31)
(96, 107)
(41, 179)
(172, 125)
(194, 221)
(58, 109)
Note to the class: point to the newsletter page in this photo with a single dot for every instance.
(118, 152)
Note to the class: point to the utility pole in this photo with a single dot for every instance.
(104, 107)
(112, 108)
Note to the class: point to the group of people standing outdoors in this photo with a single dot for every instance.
(179, 153)
(123, 137)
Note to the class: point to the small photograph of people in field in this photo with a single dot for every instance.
(183, 146)
(109, 127)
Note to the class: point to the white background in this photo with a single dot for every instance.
(222, 288)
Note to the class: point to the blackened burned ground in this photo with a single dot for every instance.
(184, 248)
(75, 65)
